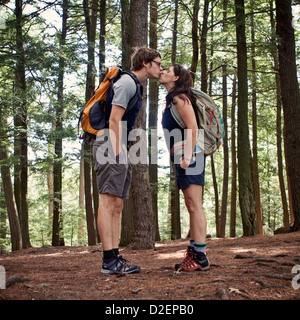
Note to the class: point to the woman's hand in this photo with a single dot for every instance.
(185, 163)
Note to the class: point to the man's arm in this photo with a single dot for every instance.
(116, 116)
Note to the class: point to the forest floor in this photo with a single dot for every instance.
(246, 268)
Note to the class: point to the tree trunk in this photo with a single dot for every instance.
(174, 34)
(144, 236)
(254, 125)
(50, 181)
(20, 121)
(126, 34)
(102, 35)
(2, 219)
(127, 225)
(90, 9)
(290, 100)
(247, 204)
(222, 230)
(15, 229)
(57, 231)
(81, 221)
(174, 203)
(232, 226)
(274, 53)
(152, 122)
(174, 206)
(203, 45)
(195, 38)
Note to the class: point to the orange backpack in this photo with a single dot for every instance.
(95, 115)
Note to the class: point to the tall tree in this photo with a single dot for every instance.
(290, 100)
(256, 185)
(203, 47)
(141, 190)
(195, 38)
(127, 225)
(232, 224)
(174, 200)
(274, 53)
(14, 224)
(102, 45)
(213, 169)
(126, 22)
(222, 230)
(57, 237)
(90, 8)
(20, 122)
(174, 34)
(152, 122)
(247, 204)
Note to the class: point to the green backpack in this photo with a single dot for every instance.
(209, 119)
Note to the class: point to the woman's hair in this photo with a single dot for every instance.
(182, 88)
(141, 54)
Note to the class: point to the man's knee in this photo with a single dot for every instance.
(118, 206)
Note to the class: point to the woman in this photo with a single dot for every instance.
(178, 81)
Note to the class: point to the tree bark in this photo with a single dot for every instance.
(144, 237)
(20, 121)
(102, 35)
(247, 204)
(203, 46)
(232, 225)
(15, 229)
(90, 9)
(174, 202)
(126, 34)
(256, 185)
(57, 231)
(127, 225)
(152, 121)
(222, 230)
(290, 100)
(195, 38)
(174, 34)
(274, 53)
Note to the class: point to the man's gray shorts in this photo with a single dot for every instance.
(112, 177)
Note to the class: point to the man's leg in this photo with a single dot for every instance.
(105, 221)
(110, 208)
(116, 222)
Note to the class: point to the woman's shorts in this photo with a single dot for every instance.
(194, 174)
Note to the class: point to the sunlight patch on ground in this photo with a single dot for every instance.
(173, 255)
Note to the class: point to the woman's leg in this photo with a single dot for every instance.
(193, 201)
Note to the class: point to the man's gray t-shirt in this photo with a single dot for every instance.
(124, 90)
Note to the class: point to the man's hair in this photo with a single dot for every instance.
(141, 54)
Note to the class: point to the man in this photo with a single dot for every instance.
(114, 178)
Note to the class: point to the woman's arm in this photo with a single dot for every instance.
(187, 114)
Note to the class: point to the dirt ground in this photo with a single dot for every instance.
(247, 268)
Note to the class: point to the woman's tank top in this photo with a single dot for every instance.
(169, 124)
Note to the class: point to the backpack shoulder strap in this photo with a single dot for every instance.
(139, 88)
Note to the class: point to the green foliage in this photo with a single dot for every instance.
(41, 33)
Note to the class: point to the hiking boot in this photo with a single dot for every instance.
(193, 261)
(201, 260)
(118, 265)
(189, 254)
